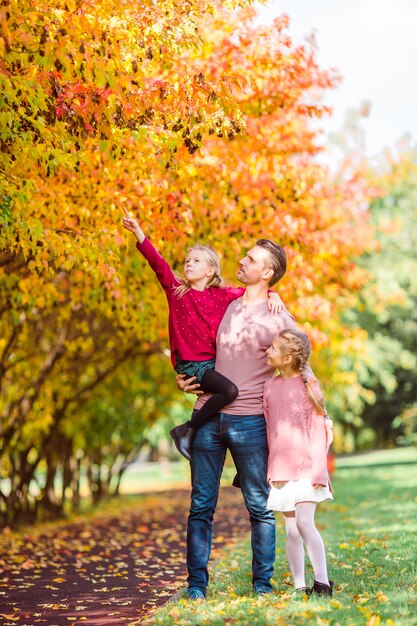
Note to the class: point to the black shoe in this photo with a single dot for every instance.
(236, 481)
(321, 589)
(183, 436)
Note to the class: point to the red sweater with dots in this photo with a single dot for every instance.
(194, 318)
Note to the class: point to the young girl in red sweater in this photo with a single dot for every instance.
(297, 463)
(197, 302)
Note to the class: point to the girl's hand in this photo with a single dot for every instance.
(317, 485)
(329, 431)
(133, 226)
(275, 304)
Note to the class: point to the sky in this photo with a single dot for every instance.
(373, 44)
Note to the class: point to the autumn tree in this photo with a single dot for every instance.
(90, 100)
(197, 121)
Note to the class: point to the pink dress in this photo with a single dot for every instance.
(297, 444)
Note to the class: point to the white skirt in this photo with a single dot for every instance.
(294, 491)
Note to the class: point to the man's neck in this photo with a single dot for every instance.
(255, 294)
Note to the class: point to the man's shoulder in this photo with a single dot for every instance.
(282, 320)
(287, 315)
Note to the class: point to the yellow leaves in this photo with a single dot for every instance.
(40, 302)
(381, 597)
(362, 598)
(174, 613)
(307, 614)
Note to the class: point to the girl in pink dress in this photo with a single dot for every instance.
(197, 302)
(297, 464)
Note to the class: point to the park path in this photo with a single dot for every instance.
(108, 569)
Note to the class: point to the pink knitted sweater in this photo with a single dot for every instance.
(245, 333)
(296, 431)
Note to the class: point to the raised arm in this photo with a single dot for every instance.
(157, 262)
(132, 226)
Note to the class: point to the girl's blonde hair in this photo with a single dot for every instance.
(213, 260)
(297, 345)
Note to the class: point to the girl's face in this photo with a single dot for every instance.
(276, 355)
(197, 267)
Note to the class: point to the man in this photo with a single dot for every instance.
(245, 333)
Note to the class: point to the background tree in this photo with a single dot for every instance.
(387, 308)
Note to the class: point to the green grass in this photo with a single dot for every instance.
(153, 476)
(370, 532)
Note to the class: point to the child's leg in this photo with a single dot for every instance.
(304, 517)
(295, 550)
(224, 392)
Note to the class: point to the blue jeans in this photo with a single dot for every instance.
(245, 437)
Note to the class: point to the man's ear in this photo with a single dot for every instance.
(268, 273)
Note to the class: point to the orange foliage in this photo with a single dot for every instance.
(195, 120)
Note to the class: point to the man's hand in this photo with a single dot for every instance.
(188, 385)
(275, 304)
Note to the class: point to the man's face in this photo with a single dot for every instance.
(253, 268)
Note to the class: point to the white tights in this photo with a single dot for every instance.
(301, 529)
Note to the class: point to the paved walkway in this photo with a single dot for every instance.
(107, 570)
